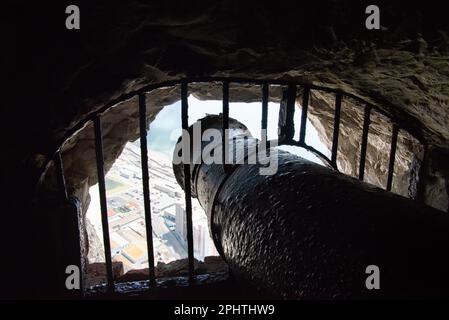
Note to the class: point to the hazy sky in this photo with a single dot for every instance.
(168, 123)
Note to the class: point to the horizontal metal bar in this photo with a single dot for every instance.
(103, 204)
(187, 184)
(392, 158)
(305, 106)
(366, 123)
(146, 185)
(338, 98)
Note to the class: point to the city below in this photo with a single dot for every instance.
(126, 214)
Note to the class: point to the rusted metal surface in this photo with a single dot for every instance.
(310, 232)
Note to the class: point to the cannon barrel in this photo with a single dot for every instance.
(308, 231)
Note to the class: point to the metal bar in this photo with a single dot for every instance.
(225, 123)
(305, 106)
(146, 185)
(103, 204)
(60, 175)
(289, 119)
(148, 88)
(187, 184)
(394, 140)
(338, 99)
(366, 123)
(319, 154)
(282, 117)
(265, 90)
(286, 116)
(151, 87)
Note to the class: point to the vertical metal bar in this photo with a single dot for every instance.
(225, 123)
(305, 106)
(289, 119)
(104, 209)
(60, 174)
(187, 184)
(338, 99)
(420, 192)
(146, 185)
(394, 140)
(286, 122)
(366, 123)
(264, 111)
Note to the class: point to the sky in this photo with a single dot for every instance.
(165, 129)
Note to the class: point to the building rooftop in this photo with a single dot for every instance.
(134, 253)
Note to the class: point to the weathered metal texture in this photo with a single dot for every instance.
(310, 232)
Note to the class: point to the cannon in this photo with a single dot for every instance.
(310, 232)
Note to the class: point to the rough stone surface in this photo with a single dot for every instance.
(96, 272)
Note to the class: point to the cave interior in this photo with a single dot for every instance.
(58, 79)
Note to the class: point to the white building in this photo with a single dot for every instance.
(118, 243)
(181, 224)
